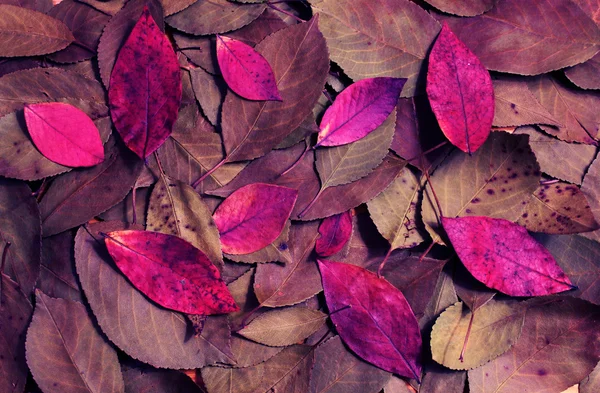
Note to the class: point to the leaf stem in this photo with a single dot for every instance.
(437, 201)
(439, 145)
(247, 316)
(347, 306)
(271, 5)
(426, 252)
(547, 182)
(307, 143)
(382, 264)
(4, 256)
(462, 352)
(314, 200)
(210, 172)
(134, 220)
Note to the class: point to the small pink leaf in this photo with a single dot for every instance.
(170, 271)
(145, 88)
(246, 71)
(64, 134)
(359, 110)
(253, 216)
(460, 91)
(503, 256)
(335, 232)
(379, 326)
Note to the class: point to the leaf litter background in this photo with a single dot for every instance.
(345, 196)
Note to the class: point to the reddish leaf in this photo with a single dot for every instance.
(379, 326)
(246, 71)
(253, 217)
(503, 256)
(64, 134)
(359, 110)
(335, 232)
(170, 271)
(145, 88)
(460, 91)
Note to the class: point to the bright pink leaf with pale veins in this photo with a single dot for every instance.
(246, 71)
(335, 232)
(253, 217)
(170, 271)
(460, 91)
(379, 326)
(503, 256)
(358, 110)
(145, 88)
(64, 134)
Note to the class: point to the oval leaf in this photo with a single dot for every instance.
(253, 217)
(170, 271)
(379, 326)
(64, 134)
(335, 232)
(359, 110)
(503, 256)
(460, 91)
(246, 71)
(145, 88)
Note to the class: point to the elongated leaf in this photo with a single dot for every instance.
(359, 110)
(586, 75)
(57, 356)
(246, 72)
(210, 92)
(145, 88)
(463, 8)
(64, 134)
(460, 91)
(558, 348)
(278, 251)
(253, 216)
(365, 47)
(57, 275)
(335, 232)
(530, 38)
(503, 256)
(24, 32)
(135, 324)
(465, 340)
(379, 326)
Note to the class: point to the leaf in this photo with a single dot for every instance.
(377, 38)
(394, 211)
(136, 325)
(214, 16)
(246, 71)
(359, 110)
(379, 326)
(298, 56)
(277, 251)
(57, 275)
(210, 92)
(585, 75)
(59, 361)
(145, 88)
(24, 32)
(472, 293)
(591, 383)
(140, 378)
(462, 339)
(591, 189)
(173, 6)
(460, 91)
(335, 232)
(529, 38)
(175, 208)
(337, 370)
(438, 379)
(560, 209)
(284, 327)
(72, 199)
(463, 8)
(557, 348)
(64, 134)
(253, 216)
(503, 256)
(444, 295)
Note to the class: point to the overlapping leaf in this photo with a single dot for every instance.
(335, 232)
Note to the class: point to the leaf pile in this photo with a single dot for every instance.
(304, 196)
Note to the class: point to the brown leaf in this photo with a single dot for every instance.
(57, 276)
(463, 8)
(210, 92)
(141, 378)
(585, 75)
(591, 383)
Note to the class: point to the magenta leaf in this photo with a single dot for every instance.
(460, 91)
(359, 110)
(64, 134)
(253, 216)
(379, 326)
(503, 256)
(335, 232)
(246, 71)
(145, 88)
(170, 271)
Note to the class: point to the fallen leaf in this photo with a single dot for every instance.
(438, 379)
(174, 6)
(591, 189)
(277, 251)
(210, 92)
(591, 383)
(335, 232)
(585, 75)
(463, 8)
(141, 378)
(472, 293)
(57, 275)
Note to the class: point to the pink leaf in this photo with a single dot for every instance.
(460, 91)
(64, 134)
(170, 271)
(246, 71)
(379, 326)
(358, 110)
(335, 232)
(503, 256)
(253, 217)
(145, 88)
